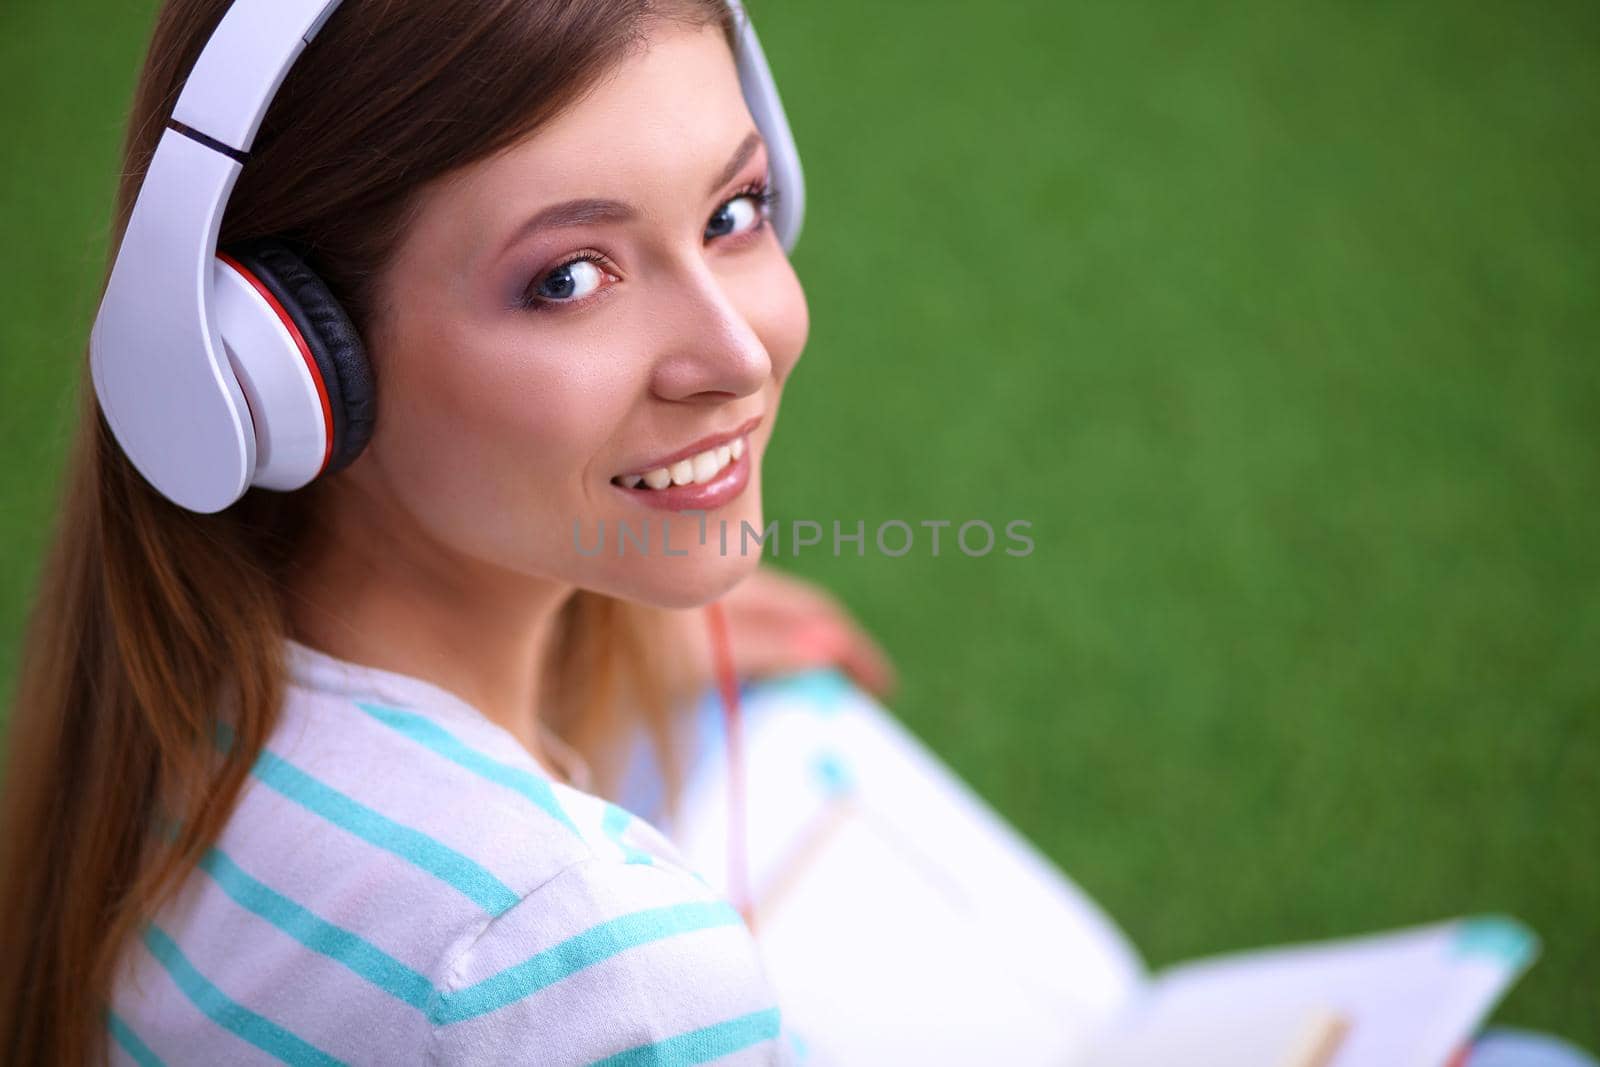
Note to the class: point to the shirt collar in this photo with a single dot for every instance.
(314, 669)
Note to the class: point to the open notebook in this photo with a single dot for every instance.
(902, 921)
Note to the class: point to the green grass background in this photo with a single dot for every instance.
(1280, 324)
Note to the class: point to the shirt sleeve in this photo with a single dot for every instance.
(611, 962)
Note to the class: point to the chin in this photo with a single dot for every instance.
(679, 571)
(687, 581)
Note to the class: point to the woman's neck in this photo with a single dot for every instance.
(374, 591)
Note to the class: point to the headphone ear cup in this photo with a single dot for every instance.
(329, 335)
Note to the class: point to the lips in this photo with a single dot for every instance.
(699, 463)
(725, 486)
(702, 476)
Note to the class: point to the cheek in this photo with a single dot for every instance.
(493, 442)
(780, 316)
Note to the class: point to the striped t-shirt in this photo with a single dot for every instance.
(403, 883)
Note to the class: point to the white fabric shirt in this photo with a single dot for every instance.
(401, 882)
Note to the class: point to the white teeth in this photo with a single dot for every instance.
(697, 469)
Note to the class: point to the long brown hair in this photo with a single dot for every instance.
(149, 619)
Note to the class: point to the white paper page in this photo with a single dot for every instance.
(1410, 999)
(1234, 1035)
(901, 971)
(901, 919)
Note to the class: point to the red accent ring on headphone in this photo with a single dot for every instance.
(300, 343)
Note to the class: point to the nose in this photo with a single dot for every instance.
(712, 354)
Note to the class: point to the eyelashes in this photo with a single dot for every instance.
(759, 191)
(532, 301)
(764, 196)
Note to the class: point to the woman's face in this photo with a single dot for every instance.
(540, 361)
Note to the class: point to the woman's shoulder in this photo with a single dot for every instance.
(452, 794)
(637, 960)
(394, 883)
(584, 913)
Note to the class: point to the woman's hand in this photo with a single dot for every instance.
(778, 624)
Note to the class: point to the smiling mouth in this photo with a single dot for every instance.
(698, 469)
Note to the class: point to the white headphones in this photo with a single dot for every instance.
(293, 399)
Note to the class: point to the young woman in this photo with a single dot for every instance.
(318, 777)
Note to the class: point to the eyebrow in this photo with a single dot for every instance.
(741, 156)
(591, 210)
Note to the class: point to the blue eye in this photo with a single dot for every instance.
(745, 212)
(571, 281)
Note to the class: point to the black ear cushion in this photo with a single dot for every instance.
(329, 335)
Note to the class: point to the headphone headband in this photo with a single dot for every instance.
(204, 384)
(243, 64)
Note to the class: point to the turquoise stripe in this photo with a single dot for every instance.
(577, 952)
(317, 934)
(232, 1016)
(413, 846)
(137, 1049)
(702, 1045)
(616, 820)
(823, 688)
(431, 735)
(1503, 939)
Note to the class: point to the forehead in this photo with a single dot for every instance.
(655, 128)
